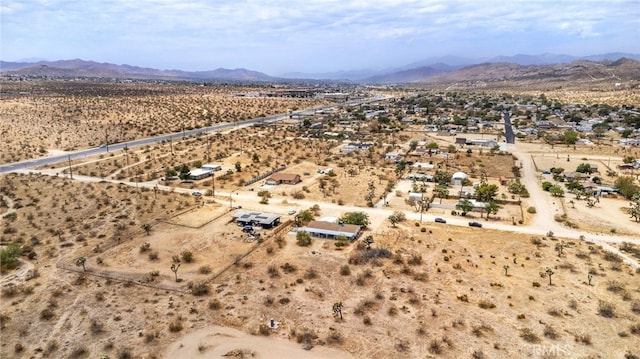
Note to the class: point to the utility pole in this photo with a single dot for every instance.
(106, 139)
(70, 171)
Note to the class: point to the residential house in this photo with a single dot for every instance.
(332, 230)
(264, 220)
(284, 178)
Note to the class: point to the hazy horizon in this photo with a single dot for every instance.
(276, 37)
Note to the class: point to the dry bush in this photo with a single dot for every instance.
(606, 310)
(273, 271)
(550, 332)
(200, 288)
(486, 304)
(583, 338)
(306, 336)
(362, 256)
(175, 326)
(345, 270)
(528, 335)
(635, 328)
(215, 304)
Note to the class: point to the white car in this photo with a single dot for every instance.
(291, 212)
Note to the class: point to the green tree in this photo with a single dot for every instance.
(255, 158)
(452, 149)
(442, 192)
(464, 205)
(397, 217)
(357, 218)
(546, 185)
(303, 238)
(305, 216)
(492, 208)
(486, 192)
(634, 211)
(238, 166)
(570, 137)
(442, 178)
(9, 256)
(413, 145)
(556, 191)
(626, 186)
(584, 168)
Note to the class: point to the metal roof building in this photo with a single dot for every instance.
(331, 230)
(265, 220)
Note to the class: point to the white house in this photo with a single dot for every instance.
(457, 178)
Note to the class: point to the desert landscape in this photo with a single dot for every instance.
(125, 253)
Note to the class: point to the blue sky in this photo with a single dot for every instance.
(277, 36)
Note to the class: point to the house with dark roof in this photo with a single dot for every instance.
(264, 220)
(331, 230)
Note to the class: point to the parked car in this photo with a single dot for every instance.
(247, 229)
(196, 193)
(293, 211)
(440, 220)
(475, 224)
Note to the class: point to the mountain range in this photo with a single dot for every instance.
(436, 69)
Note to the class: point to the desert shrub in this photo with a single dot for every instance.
(78, 352)
(635, 329)
(306, 336)
(615, 286)
(477, 354)
(311, 274)
(175, 326)
(47, 314)
(521, 316)
(145, 247)
(345, 270)
(288, 268)
(415, 260)
(334, 338)
(205, 269)
(273, 271)
(435, 347)
(480, 330)
(635, 307)
(264, 330)
(200, 288)
(284, 300)
(486, 304)
(606, 309)
(555, 312)
(550, 332)
(187, 256)
(531, 210)
(215, 304)
(153, 256)
(363, 256)
(583, 338)
(536, 284)
(125, 353)
(528, 335)
(303, 238)
(96, 327)
(611, 257)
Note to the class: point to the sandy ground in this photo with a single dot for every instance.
(215, 342)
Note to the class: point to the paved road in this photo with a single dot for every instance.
(44, 161)
(508, 128)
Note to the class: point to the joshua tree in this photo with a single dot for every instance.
(559, 247)
(506, 269)
(174, 269)
(337, 309)
(549, 273)
(81, 262)
(146, 228)
(368, 240)
(589, 278)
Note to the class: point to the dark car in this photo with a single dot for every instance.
(440, 220)
(247, 229)
(475, 224)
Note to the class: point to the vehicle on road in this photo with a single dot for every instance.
(475, 224)
(196, 194)
(293, 211)
(440, 220)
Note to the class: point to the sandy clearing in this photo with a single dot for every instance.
(218, 341)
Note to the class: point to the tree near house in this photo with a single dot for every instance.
(556, 191)
(584, 168)
(465, 206)
(397, 217)
(305, 216)
(357, 218)
(492, 207)
(570, 137)
(238, 166)
(303, 238)
(486, 192)
(442, 192)
(626, 186)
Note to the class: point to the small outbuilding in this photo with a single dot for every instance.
(457, 178)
